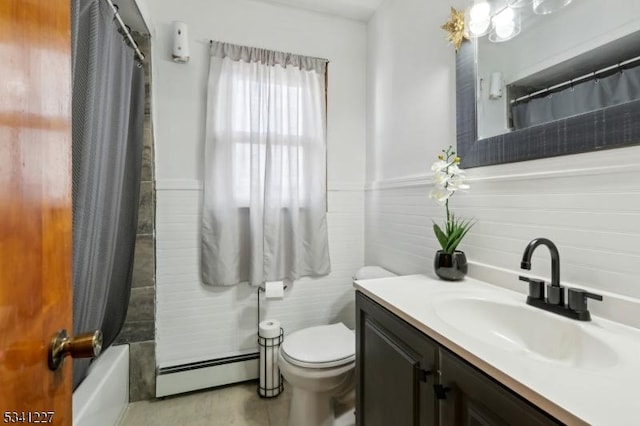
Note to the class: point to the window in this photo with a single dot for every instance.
(266, 153)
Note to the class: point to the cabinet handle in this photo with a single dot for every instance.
(424, 374)
(441, 391)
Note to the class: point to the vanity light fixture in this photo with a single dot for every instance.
(545, 7)
(479, 18)
(501, 19)
(505, 25)
(519, 3)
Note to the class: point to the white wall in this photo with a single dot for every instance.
(410, 118)
(589, 204)
(195, 322)
(179, 96)
(411, 102)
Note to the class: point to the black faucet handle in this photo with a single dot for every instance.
(555, 294)
(578, 299)
(536, 287)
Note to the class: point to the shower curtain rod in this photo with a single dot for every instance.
(126, 31)
(593, 74)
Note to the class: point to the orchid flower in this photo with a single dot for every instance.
(440, 165)
(440, 195)
(449, 178)
(441, 178)
(454, 170)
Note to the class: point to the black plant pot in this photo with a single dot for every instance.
(450, 267)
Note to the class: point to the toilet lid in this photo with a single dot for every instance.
(320, 347)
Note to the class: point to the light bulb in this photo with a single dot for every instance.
(480, 11)
(505, 31)
(544, 7)
(479, 28)
(479, 18)
(506, 25)
(505, 17)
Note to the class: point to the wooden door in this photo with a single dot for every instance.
(35, 208)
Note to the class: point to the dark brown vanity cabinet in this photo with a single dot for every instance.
(472, 398)
(404, 378)
(395, 367)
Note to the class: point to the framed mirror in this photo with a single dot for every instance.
(592, 58)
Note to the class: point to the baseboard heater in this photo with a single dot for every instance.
(206, 374)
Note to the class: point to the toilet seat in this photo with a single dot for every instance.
(320, 347)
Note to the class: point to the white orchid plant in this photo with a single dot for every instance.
(449, 178)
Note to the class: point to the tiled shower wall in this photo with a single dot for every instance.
(139, 327)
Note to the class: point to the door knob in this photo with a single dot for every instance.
(87, 345)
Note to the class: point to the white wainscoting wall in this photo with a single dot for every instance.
(588, 204)
(200, 323)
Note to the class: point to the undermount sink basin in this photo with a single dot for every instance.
(522, 328)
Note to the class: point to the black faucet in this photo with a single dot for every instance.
(554, 301)
(555, 258)
(555, 292)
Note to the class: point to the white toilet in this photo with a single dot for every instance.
(319, 365)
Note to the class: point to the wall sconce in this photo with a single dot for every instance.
(180, 42)
(495, 85)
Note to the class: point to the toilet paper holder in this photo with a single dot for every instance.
(262, 288)
(270, 382)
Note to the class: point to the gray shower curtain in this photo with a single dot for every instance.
(108, 112)
(617, 88)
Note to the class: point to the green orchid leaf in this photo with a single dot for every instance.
(462, 228)
(454, 240)
(441, 236)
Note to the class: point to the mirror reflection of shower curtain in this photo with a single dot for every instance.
(108, 113)
(618, 88)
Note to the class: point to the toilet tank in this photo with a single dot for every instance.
(348, 312)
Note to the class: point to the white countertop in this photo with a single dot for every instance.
(603, 393)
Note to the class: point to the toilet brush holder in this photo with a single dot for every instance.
(270, 337)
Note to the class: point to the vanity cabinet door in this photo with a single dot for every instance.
(472, 398)
(394, 365)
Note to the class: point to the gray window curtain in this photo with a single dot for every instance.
(264, 207)
(618, 88)
(108, 113)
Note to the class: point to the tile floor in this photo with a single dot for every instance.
(237, 405)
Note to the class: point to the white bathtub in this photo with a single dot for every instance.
(103, 396)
